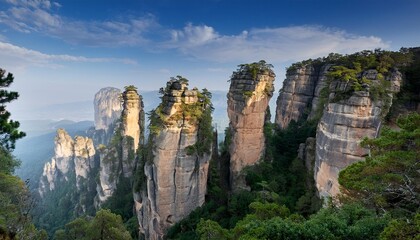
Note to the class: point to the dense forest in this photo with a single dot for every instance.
(379, 200)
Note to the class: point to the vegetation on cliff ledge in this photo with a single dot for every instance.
(195, 113)
(353, 69)
(255, 68)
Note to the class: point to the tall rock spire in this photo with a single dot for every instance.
(251, 88)
(177, 159)
(118, 159)
(132, 114)
(107, 105)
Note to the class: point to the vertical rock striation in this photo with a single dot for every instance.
(346, 116)
(107, 105)
(251, 88)
(119, 158)
(84, 160)
(344, 124)
(176, 167)
(301, 94)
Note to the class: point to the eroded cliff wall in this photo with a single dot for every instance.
(344, 124)
(345, 115)
(176, 167)
(300, 96)
(251, 88)
(118, 159)
(71, 158)
(108, 107)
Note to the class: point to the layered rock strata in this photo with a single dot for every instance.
(251, 88)
(345, 119)
(175, 170)
(301, 94)
(344, 124)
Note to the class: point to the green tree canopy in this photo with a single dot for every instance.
(389, 179)
(15, 199)
(104, 226)
(9, 131)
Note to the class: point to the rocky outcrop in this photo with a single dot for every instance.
(108, 108)
(118, 159)
(176, 167)
(251, 88)
(306, 153)
(84, 160)
(71, 157)
(344, 124)
(108, 174)
(346, 116)
(107, 104)
(132, 115)
(300, 94)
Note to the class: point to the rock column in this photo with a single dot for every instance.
(251, 88)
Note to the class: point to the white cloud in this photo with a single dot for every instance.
(276, 44)
(38, 16)
(272, 44)
(15, 56)
(33, 3)
(194, 35)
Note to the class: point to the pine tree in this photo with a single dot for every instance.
(9, 131)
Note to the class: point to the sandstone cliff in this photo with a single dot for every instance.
(345, 115)
(251, 88)
(176, 161)
(344, 124)
(71, 158)
(107, 105)
(118, 159)
(108, 108)
(300, 94)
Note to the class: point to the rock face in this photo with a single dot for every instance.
(342, 127)
(300, 94)
(175, 174)
(84, 160)
(107, 104)
(71, 157)
(344, 119)
(248, 97)
(118, 159)
(108, 108)
(306, 153)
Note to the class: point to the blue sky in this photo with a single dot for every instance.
(65, 50)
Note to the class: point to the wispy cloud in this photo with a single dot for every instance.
(19, 56)
(39, 16)
(276, 44)
(273, 44)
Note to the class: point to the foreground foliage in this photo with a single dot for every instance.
(105, 225)
(15, 199)
(349, 222)
(389, 179)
